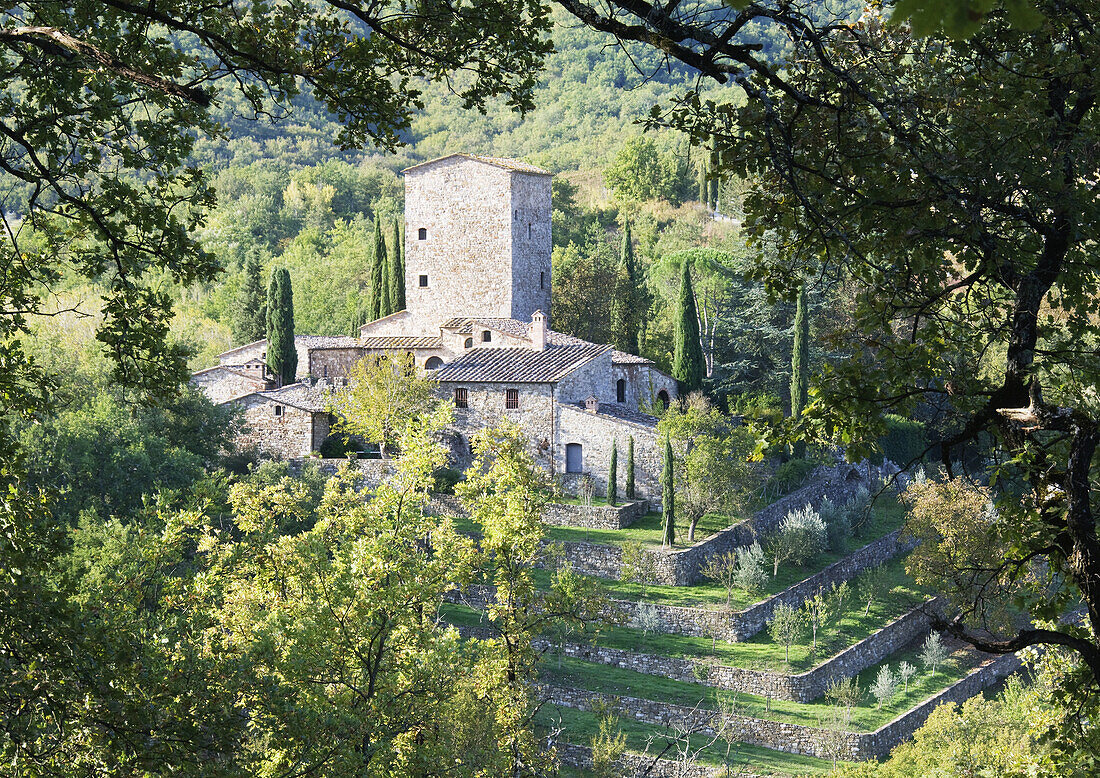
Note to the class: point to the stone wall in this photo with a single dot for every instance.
(797, 738)
(801, 687)
(638, 764)
(469, 211)
(681, 566)
(332, 362)
(595, 431)
(288, 435)
(485, 402)
(595, 516)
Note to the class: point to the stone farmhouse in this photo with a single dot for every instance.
(478, 318)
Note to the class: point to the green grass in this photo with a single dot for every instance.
(580, 726)
(865, 718)
(887, 517)
(761, 652)
(648, 530)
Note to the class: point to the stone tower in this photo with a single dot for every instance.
(477, 240)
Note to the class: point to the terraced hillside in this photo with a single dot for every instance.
(698, 674)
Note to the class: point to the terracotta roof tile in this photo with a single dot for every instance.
(518, 365)
(400, 341)
(622, 358)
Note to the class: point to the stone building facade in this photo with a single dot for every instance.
(478, 297)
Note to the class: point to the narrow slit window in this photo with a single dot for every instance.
(511, 399)
(462, 398)
(542, 280)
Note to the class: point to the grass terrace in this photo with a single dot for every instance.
(760, 652)
(581, 726)
(618, 682)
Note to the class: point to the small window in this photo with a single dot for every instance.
(326, 372)
(278, 410)
(433, 363)
(486, 337)
(422, 234)
(574, 458)
(620, 390)
(469, 343)
(515, 215)
(462, 398)
(511, 399)
(423, 281)
(542, 280)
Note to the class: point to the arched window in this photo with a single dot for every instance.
(620, 390)
(574, 458)
(433, 363)
(422, 233)
(663, 399)
(469, 343)
(486, 336)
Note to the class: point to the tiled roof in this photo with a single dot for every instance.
(308, 398)
(617, 411)
(401, 341)
(506, 164)
(622, 358)
(326, 341)
(463, 326)
(241, 348)
(522, 329)
(518, 365)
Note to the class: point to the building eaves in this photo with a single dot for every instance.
(383, 342)
(513, 165)
(518, 365)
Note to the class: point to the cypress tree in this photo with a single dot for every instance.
(634, 298)
(800, 357)
(630, 468)
(250, 321)
(397, 272)
(687, 357)
(379, 275)
(613, 475)
(668, 496)
(282, 357)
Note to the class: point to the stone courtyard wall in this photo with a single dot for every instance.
(595, 516)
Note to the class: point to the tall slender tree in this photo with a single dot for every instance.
(668, 496)
(282, 357)
(800, 357)
(687, 357)
(613, 475)
(250, 319)
(379, 274)
(397, 271)
(630, 468)
(632, 299)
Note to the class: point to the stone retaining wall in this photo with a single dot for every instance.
(742, 625)
(801, 687)
(637, 764)
(595, 516)
(719, 623)
(797, 738)
(682, 566)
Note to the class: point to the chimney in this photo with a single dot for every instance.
(538, 331)
(592, 404)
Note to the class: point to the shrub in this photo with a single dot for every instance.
(858, 509)
(587, 489)
(752, 572)
(904, 441)
(800, 538)
(647, 618)
(444, 480)
(790, 475)
(338, 446)
(838, 527)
